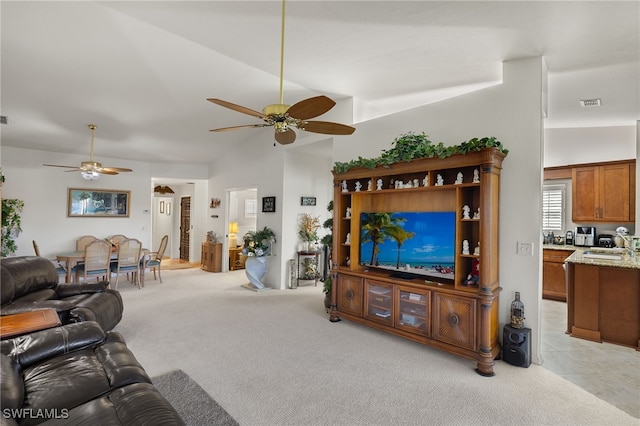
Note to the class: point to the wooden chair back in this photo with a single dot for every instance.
(36, 248)
(129, 252)
(163, 246)
(82, 242)
(119, 238)
(97, 257)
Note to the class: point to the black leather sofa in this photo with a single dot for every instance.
(77, 374)
(30, 283)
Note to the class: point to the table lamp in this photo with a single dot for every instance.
(233, 229)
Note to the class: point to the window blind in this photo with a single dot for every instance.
(553, 207)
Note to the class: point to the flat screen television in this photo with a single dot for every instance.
(411, 244)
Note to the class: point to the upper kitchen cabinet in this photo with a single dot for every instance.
(604, 192)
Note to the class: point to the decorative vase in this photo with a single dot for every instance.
(256, 268)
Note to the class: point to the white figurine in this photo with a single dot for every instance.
(369, 185)
(439, 180)
(348, 213)
(476, 176)
(476, 251)
(458, 178)
(466, 210)
(408, 184)
(465, 247)
(348, 240)
(476, 215)
(425, 181)
(344, 186)
(416, 183)
(378, 184)
(358, 186)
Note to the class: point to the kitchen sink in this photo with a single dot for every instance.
(602, 254)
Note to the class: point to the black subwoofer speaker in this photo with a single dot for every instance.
(516, 346)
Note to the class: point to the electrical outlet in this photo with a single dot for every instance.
(525, 249)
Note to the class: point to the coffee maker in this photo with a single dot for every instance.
(585, 236)
(568, 239)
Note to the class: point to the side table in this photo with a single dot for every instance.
(27, 322)
(316, 261)
(211, 257)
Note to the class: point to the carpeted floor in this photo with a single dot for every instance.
(174, 264)
(193, 404)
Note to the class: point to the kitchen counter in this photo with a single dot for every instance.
(560, 247)
(627, 261)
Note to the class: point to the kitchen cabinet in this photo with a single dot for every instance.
(554, 285)
(604, 193)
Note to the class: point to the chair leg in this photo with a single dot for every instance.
(159, 274)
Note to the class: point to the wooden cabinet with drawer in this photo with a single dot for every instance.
(553, 274)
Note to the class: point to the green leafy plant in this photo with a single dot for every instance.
(11, 225)
(308, 227)
(258, 243)
(326, 286)
(411, 146)
(327, 239)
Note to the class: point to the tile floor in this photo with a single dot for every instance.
(610, 372)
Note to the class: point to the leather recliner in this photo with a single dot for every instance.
(30, 283)
(77, 374)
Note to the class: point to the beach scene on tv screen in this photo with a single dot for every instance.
(420, 243)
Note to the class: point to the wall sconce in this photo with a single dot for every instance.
(233, 230)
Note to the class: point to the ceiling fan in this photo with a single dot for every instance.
(91, 170)
(284, 117)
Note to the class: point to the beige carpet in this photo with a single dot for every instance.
(175, 264)
(273, 358)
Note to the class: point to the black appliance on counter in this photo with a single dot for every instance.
(585, 236)
(606, 240)
(568, 238)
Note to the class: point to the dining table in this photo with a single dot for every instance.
(73, 257)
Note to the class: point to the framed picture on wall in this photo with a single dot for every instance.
(307, 201)
(268, 204)
(85, 202)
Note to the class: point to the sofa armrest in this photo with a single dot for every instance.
(38, 346)
(61, 306)
(73, 289)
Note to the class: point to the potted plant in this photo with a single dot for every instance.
(257, 245)
(308, 229)
(326, 289)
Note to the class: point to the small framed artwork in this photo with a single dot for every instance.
(268, 204)
(307, 201)
(250, 208)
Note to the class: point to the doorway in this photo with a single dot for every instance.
(242, 214)
(185, 227)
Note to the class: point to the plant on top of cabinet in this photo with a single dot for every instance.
(410, 146)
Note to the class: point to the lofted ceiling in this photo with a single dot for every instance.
(143, 70)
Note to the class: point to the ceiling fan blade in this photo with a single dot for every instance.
(238, 108)
(225, 129)
(56, 165)
(286, 137)
(114, 169)
(310, 108)
(106, 171)
(327, 127)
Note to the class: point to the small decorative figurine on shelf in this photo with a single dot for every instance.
(348, 213)
(348, 239)
(425, 181)
(465, 247)
(378, 184)
(476, 176)
(416, 183)
(408, 184)
(358, 186)
(439, 180)
(369, 185)
(466, 210)
(458, 178)
(476, 214)
(476, 251)
(474, 276)
(517, 312)
(344, 186)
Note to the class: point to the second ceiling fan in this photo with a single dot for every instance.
(283, 117)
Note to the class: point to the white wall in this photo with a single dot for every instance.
(588, 145)
(44, 191)
(512, 113)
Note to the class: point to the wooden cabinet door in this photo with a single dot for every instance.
(584, 183)
(349, 297)
(454, 320)
(553, 274)
(614, 193)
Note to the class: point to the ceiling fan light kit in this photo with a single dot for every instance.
(91, 170)
(283, 117)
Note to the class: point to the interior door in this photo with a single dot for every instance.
(185, 227)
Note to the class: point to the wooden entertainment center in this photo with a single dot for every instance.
(453, 316)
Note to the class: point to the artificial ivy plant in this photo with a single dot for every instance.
(410, 146)
(11, 224)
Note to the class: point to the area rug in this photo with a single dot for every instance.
(192, 403)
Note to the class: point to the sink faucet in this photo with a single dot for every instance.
(627, 246)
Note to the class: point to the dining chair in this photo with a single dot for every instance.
(82, 242)
(128, 261)
(119, 238)
(97, 258)
(154, 260)
(61, 270)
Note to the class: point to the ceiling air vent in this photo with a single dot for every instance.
(588, 103)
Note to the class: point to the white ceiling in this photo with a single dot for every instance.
(142, 70)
